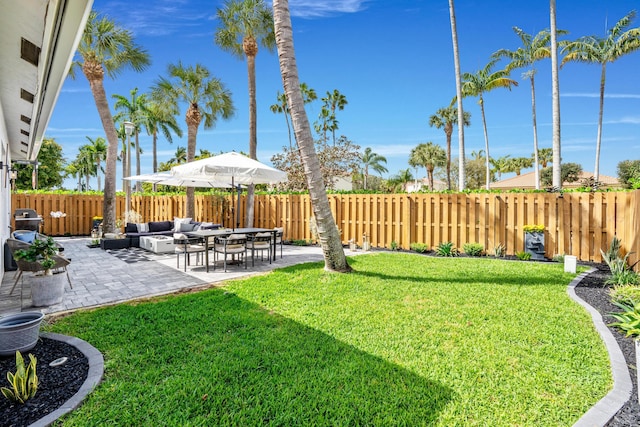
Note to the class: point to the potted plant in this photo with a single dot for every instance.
(534, 241)
(41, 257)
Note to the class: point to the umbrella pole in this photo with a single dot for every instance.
(238, 211)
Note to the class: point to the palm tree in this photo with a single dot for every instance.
(456, 61)
(207, 99)
(399, 181)
(85, 164)
(308, 95)
(545, 156)
(445, 118)
(106, 47)
(516, 164)
(533, 49)
(179, 157)
(555, 95)
(245, 24)
(620, 41)
(161, 118)
(334, 101)
(135, 111)
(329, 235)
(429, 156)
(476, 85)
(98, 149)
(500, 165)
(374, 161)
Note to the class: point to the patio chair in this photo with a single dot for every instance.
(235, 244)
(187, 246)
(279, 234)
(260, 242)
(61, 262)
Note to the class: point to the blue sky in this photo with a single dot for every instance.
(393, 61)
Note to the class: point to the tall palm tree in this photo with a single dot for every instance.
(329, 235)
(555, 95)
(334, 101)
(445, 118)
(135, 111)
(516, 164)
(429, 156)
(620, 41)
(98, 149)
(374, 161)
(106, 47)
(399, 181)
(207, 99)
(245, 24)
(179, 157)
(545, 156)
(160, 118)
(477, 84)
(85, 164)
(308, 95)
(456, 61)
(533, 49)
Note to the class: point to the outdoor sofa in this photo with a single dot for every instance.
(133, 232)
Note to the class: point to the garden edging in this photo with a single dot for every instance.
(605, 409)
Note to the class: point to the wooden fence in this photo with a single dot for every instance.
(579, 224)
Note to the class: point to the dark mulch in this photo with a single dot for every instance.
(596, 294)
(57, 384)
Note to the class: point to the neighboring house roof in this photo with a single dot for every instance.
(527, 181)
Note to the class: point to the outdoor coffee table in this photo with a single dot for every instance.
(157, 244)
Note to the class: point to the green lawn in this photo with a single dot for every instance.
(403, 340)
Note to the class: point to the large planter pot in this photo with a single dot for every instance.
(19, 332)
(47, 290)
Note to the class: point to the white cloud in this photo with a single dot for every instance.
(322, 8)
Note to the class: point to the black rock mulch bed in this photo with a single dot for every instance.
(596, 294)
(58, 384)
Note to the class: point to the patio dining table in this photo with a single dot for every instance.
(207, 235)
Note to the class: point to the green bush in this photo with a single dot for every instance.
(523, 256)
(499, 251)
(558, 258)
(394, 245)
(24, 383)
(473, 249)
(300, 242)
(419, 247)
(625, 294)
(629, 319)
(446, 249)
(623, 277)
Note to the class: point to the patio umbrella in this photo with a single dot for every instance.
(184, 181)
(233, 167)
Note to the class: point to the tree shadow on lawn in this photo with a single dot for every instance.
(241, 364)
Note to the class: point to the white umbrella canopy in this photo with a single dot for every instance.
(179, 181)
(230, 167)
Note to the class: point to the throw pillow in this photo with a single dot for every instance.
(177, 221)
(143, 227)
(25, 236)
(131, 228)
(204, 225)
(186, 227)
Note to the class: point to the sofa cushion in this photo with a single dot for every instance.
(155, 226)
(130, 228)
(184, 227)
(143, 227)
(25, 236)
(177, 221)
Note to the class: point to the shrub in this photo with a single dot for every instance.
(623, 277)
(419, 247)
(558, 258)
(473, 249)
(24, 383)
(523, 256)
(499, 251)
(625, 294)
(629, 319)
(300, 242)
(394, 245)
(446, 249)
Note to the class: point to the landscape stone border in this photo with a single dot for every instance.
(605, 409)
(94, 376)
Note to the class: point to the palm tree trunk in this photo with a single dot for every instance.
(98, 175)
(155, 151)
(109, 206)
(329, 236)
(253, 134)
(456, 59)
(448, 134)
(557, 179)
(486, 144)
(536, 160)
(596, 170)
(192, 132)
